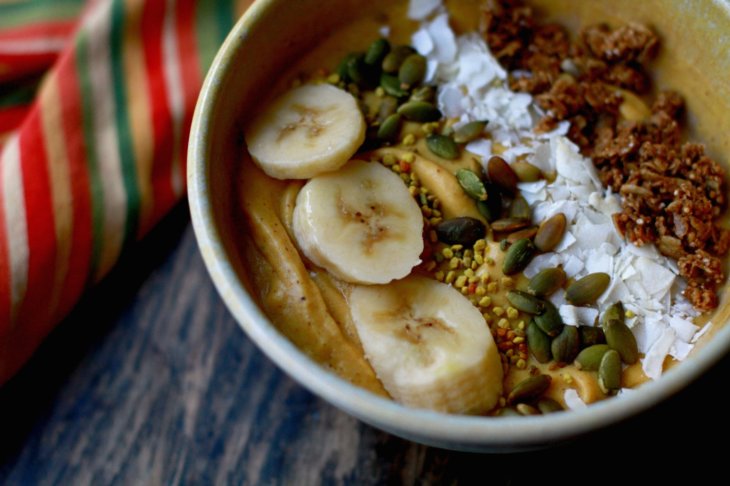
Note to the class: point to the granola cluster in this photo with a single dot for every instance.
(672, 192)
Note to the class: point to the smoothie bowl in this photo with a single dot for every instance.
(478, 225)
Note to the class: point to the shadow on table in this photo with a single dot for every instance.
(28, 395)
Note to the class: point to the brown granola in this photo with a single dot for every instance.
(672, 192)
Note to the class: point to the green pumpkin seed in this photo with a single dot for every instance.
(550, 321)
(419, 111)
(525, 302)
(547, 281)
(393, 60)
(620, 338)
(525, 171)
(423, 93)
(528, 233)
(529, 389)
(525, 409)
(590, 358)
(472, 184)
(390, 128)
(412, 70)
(388, 105)
(442, 146)
(550, 232)
(342, 68)
(392, 86)
(509, 224)
(460, 231)
(614, 312)
(609, 372)
(492, 207)
(538, 343)
(507, 412)
(518, 256)
(470, 131)
(566, 345)
(376, 52)
(586, 290)
(500, 173)
(590, 336)
(360, 73)
(519, 209)
(548, 405)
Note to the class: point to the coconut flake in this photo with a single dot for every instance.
(701, 332)
(443, 39)
(422, 42)
(654, 359)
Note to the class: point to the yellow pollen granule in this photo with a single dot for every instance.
(630, 314)
(480, 290)
(473, 279)
(485, 301)
(492, 287)
(507, 282)
(518, 340)
(439, 276)
(379, 92)
(503, 323)
(454, 263)
(450, 277)
(498, 311)
(389, 160)
(409, 157)
(457, 247)
(460, 281)
(409, 140)
(469, 272)
(447, 253)
(512, 312)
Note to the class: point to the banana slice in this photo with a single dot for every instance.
(360, 223)
(309, 130)
(429, 346)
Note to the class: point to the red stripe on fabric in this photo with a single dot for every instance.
(81, 231)
(40, 222)
(189, 68)
(43, 30)
(11, 118)
(5, 307)
(21, 65)
(153, 17)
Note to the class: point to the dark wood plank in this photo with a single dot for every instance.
(150, 381)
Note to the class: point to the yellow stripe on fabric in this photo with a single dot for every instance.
(16, 226)
(60, 179)
(105, 135)
(140, 117)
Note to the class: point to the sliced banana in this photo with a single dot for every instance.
(428, 345)
(359, 223)
(309, 130)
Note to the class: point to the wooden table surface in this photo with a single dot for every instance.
(151, 381)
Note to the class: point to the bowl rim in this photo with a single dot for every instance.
(454, 431)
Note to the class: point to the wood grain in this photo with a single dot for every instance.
(150, 381)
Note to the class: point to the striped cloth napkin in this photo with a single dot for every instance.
(96, 100)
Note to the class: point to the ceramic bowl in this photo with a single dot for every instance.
(694, 59)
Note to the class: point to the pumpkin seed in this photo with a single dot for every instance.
(390, 128)
(518, 256)
(392, 86)
(547, 281)
(492, 207)
(586, 290)
(412, 70)
(609, 372)
(442, 146)
(509, 224)
(419, 111)
(501, 173)
(360, 73)
(590, 358)
(620, 338)
(528, 233)
(525, 409)
(388, 105)
(590, 336)
(550, 232)
(525, 171)
(376, 52)
(342, 68)
(525, 302)
(529, 389)
(460, 231)
(507, 412)
(423, 93)
(566, 345)
(614, 312)
(550, 321)
(538, 343)
(472, 184)
(519, 209)
(469, 132)
(548, 405)
(393, 60)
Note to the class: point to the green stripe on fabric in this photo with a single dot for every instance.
(124, 132)
(96, 189)
(214, 21)
(20, 14)
(19, 95)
